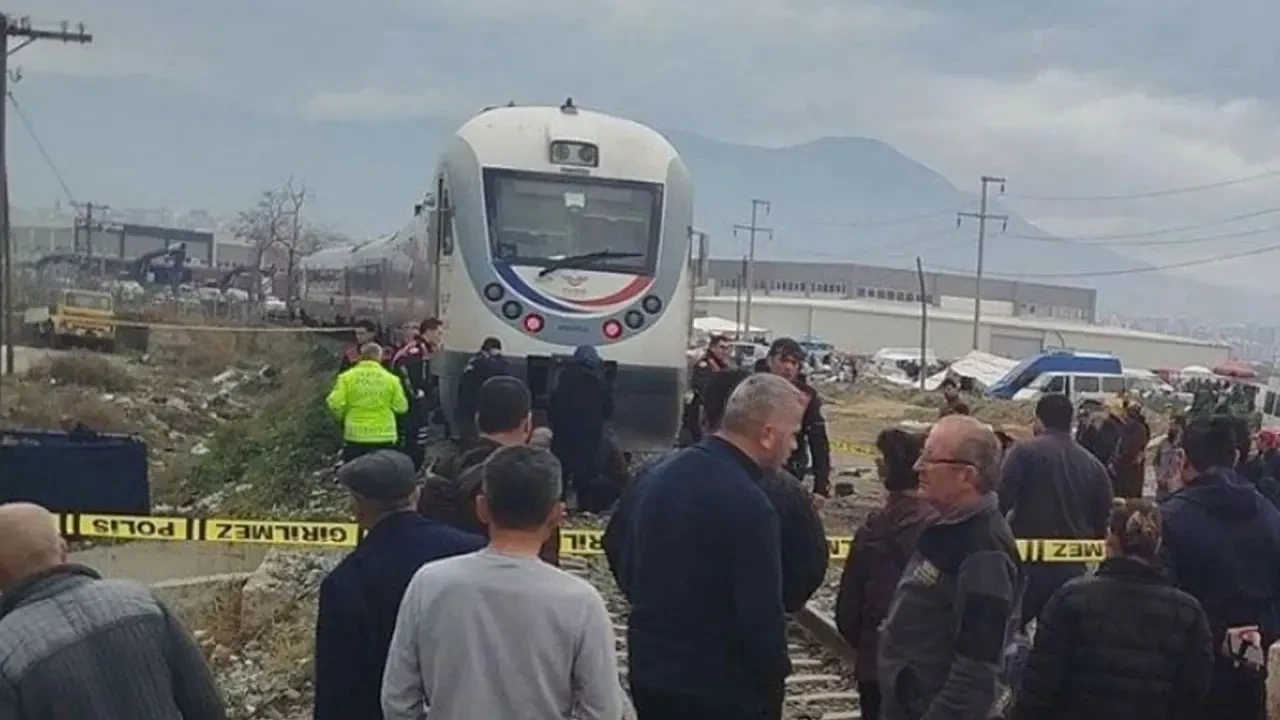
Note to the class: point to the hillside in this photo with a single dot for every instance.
(136, 142)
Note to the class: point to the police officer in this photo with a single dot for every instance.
(483, 365)
(367, 398)
(813, 449)
(714, 360)
(413, 363)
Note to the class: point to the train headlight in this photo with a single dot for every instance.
(534, 323)
(634, 319)
(612, 329)
(581, 154)
(511, 309)
(493, 292)
(652, 304)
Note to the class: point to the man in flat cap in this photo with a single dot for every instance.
(359, 600)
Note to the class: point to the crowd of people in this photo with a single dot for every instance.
(452, 606)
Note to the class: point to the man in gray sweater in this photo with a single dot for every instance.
(499, 633)
(943, 643)
(73, 645)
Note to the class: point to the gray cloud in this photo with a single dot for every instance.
(1088, 97)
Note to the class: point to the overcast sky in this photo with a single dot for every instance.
(1064, 98)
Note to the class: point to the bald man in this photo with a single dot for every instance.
(73, 645)
(953, 613)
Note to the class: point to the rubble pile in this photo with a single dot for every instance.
(261, 647)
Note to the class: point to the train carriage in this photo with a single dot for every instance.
(551, 228)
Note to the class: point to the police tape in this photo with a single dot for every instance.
(337, 535)
(850, 448)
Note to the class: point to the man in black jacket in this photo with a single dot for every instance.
(714, 360)
(813, 448)
(483, 365)
(700, 562)
(1223, 548)
(1054, 489)
(805, 553)
(359, 600)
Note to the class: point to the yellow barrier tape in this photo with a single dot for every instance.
(849, 448)
(332, 535)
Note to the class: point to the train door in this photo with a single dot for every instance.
(439, 248)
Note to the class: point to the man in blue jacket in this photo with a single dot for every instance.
(703, 571)
(360, 599)
(1222, 540)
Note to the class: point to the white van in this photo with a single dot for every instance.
(1080, 387)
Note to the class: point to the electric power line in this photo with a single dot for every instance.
(53, 167)
(1152, 193)
(1171, 230)
(890, 221)
(1134, 271)
(1152, 243)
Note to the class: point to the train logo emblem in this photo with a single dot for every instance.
(574, 280)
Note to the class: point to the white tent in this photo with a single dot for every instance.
(982, 367)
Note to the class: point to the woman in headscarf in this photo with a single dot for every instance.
(884, 543)
(580, 406)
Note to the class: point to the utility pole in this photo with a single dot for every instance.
(750, 279)
(19, 28)
(88, 226)
(982, 217)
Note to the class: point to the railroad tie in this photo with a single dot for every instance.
(819, 679)
(817, 697)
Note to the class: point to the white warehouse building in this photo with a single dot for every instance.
(863, 327)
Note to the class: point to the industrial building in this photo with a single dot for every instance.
(865, 326)
(944, 291)
(124, 241)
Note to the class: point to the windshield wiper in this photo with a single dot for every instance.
(575, 260)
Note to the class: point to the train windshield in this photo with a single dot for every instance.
(539, 219)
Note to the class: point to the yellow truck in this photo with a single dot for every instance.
(74, 318)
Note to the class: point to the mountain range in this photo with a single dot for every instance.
(140, 142)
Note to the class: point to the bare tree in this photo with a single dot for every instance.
(300, 240)
(263, 227)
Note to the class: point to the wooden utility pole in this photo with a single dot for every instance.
(982, 217)
(17, 28)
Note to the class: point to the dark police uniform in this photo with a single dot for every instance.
(707, 366)
(813, 448)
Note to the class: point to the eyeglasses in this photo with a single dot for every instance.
(946, 461)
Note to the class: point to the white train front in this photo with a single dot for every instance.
(566, 228)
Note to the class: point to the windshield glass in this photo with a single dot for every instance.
(536, 219)
(88, 301)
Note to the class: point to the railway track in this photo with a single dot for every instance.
(819, 687)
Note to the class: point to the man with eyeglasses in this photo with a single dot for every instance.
(943, 642)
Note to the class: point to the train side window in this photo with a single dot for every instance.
(1057, 384)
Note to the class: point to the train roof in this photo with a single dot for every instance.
(498, 135)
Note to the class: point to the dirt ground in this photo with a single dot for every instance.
(857, 413)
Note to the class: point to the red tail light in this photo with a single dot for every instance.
(533, 323)
(612, 329)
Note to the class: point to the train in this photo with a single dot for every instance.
(547, 228)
